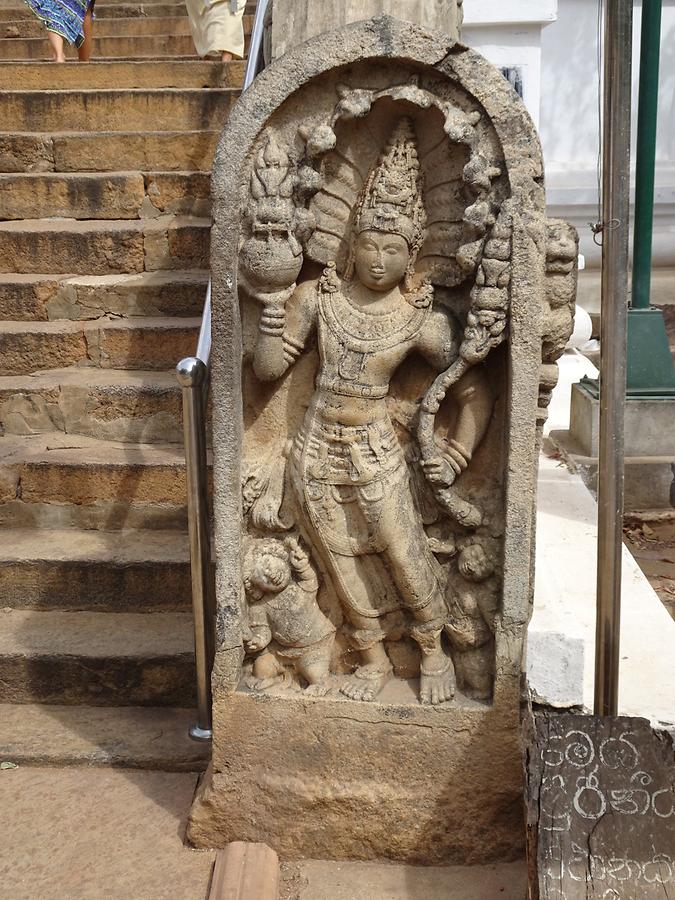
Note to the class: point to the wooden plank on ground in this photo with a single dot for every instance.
(600, 796)
(245, 871)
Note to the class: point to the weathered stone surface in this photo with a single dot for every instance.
(146, 344)
(116, 110)
(128, 737)
(173, 293)
(342, 780)
(40, 346)
(179, 193)
(26, 153)
(135, 850)
(96, 571)
(74, 658)
(82, 196)
(167, 151)
(177, 243)
(109, 343)
(13, 13)
(61, 246)
(420, 198)
(26, 297)
(105, 404)
(118, 27)
(318, 879)
(155, 46)
(123, 74)
(56, 246)
(600, 808)
(103, 515)
(295, 21)
(62, 481)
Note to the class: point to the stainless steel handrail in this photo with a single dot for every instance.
(193, 374)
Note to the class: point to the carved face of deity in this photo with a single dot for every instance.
(381, 259)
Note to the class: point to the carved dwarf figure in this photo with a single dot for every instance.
(346, 464)
(285, 623)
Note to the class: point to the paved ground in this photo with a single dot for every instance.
(320, 880)
(89, 834)
(111, 834)
(652, 544)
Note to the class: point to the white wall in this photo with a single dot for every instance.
(556, 43)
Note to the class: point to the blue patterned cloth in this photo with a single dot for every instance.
(65, 17)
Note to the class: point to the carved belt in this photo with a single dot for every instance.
(337, 385)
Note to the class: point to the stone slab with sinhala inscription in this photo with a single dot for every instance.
(600, 809)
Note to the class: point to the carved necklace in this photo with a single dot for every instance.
(363, 331)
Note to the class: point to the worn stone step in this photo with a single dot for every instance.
(123, 10)
(111, 27)
(63, 481)
(108, 151)
(153, 47)
(99, 659)
(131, 109)
(109, 404)
(126, 737)
(97, 571)
(80, 297)
(109, 195)
(108, 343)
(110, 48)
(150, 73)
(93, 247)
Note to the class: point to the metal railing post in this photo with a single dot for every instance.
(191, 373)
(614, 315)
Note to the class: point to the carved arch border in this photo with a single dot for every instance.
(383, 37)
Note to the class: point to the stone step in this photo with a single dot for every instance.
(131, 109)
(93, 247)
(61, 481)
(127, 737)
(107, 151)
(109, 343)
(150, 73)
(97, 571)
(154, 46)
(112, 27)
(123, 10)
(109, 404)
(25, 298)
(109, 195)
(98, 659)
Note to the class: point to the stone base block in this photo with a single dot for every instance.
(335, 779)
(649, 424)
(649, 436)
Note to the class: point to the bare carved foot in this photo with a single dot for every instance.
(367, 682)
(437, 678)
(317, 690)
(263, 684)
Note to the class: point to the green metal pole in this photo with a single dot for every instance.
(650, 372)
(646, 152)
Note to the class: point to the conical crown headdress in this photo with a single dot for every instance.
(391, 199)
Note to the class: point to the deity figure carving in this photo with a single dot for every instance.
(346, 466)
(285, 623)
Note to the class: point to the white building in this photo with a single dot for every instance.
(551, 48)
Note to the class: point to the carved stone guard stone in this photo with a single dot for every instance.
(388, 303)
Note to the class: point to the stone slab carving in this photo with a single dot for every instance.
(388, 303)
(600, 808)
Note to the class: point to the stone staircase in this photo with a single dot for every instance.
(104, 239)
